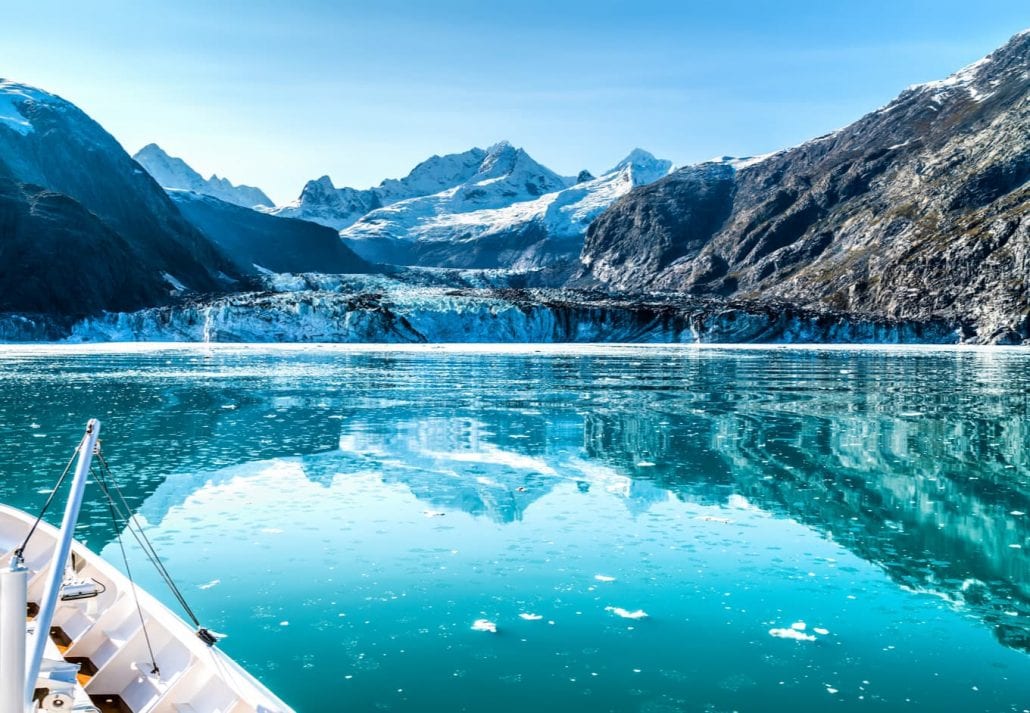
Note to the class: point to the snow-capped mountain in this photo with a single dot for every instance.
(322, 202)
(512, 213)
(175, 174)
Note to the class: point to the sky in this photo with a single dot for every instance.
(276, 93)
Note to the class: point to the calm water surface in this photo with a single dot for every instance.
(345, 516)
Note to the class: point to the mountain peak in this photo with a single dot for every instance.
(501, 146)
(172, 173)
(323, 183)
(643, 166)
(981, 77)
(152, 149)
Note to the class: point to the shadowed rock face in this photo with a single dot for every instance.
(71, 200)
(252, 239)
(57, 257)
(918, 209)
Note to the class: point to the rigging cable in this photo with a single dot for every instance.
(134, 528)
(53, 493)
(128, 571)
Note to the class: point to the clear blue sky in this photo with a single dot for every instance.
(275, 93)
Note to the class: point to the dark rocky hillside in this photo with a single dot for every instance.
(78, 217)
(920, 209)
(251, 239)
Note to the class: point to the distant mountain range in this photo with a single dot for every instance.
(917, 212)
(492, 208)
(174, 174)
(512, 213)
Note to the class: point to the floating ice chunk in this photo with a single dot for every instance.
(433, 513)
(530, 617)
(791, 634)
(799, 626)
(821, 631)
(645, 464)
(1017, 513)
(484, 625)
(627, 614)
(284, 623)
(831, 690)
(212, 583)
(604, 578)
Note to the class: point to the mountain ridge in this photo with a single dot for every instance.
(513, 213)
(917, 209)
(173, 173)
(82, 226)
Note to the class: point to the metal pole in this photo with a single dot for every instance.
(60, 559)
(13, 585)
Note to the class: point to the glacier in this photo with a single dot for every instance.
(315, 308)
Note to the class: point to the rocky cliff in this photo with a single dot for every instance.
(920, 209)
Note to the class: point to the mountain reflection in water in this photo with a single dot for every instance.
(915, 461)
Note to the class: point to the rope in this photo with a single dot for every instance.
(147, 547)
(128, 571)
(53, 493)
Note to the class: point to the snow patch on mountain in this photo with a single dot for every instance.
(172, 173)
(510, 194)
(505, 177)
(14, 100)
(322, 202)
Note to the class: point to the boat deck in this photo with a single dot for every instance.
(110, 636)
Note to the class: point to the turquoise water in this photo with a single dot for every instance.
(347, 515)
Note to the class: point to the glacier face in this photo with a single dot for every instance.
(380, 309)
(173, 173)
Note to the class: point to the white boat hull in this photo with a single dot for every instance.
(104, 634)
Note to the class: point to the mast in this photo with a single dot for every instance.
(57, 564)
(13, 586)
